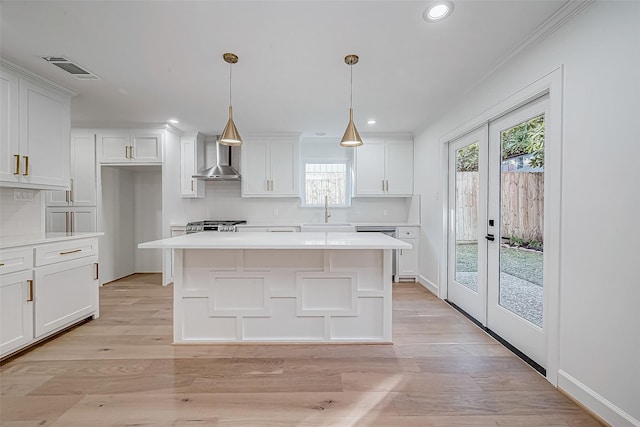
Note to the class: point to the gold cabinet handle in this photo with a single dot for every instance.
(1, 264)
(30, 282)
(17, 157)
(131, 151)
(383, 185)
(71, 191)
(97, 276)
(126, 151)
(26, 166)
(71, 252)
(71, 223)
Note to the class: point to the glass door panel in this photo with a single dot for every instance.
(522, 219)
(467, 201)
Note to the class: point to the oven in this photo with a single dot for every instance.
(213, 225)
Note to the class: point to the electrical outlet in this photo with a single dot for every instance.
(21, 195)
(17, 194)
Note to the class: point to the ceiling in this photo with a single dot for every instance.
(163, 59)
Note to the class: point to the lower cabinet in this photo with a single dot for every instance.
(407, 259)
(16, 311)
(65, 292)
(56, 287)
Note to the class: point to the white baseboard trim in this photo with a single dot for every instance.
(597, 404)
(428, 284)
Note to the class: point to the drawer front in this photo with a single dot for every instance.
(407, 232)
(65, 251)
(12, 260)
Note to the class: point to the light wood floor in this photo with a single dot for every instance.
(121, 370)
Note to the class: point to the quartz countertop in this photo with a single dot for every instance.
(38, 239)
(259, 240)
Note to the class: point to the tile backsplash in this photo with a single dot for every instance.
(21, 212)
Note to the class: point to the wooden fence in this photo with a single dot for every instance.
(522, 209)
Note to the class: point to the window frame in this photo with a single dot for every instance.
(348, 180)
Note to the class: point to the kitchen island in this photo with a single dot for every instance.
(281, 287)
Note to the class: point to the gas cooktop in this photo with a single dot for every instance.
(213, 225)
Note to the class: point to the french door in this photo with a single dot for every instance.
(496, 227)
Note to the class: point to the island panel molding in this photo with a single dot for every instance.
(306, 288)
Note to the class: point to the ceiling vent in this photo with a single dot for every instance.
(74, 69)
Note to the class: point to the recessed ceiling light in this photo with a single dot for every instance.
(173, 121)
(371, 122)
(438, 11)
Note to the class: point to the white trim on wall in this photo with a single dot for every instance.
(551, 83)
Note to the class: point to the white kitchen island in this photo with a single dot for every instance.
(281, 287)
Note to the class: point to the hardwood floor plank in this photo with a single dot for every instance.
(122, 370)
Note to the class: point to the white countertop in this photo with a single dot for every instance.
(260, 240)
(37, 239)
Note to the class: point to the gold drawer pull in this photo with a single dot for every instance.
(17, 156)
(1, 264)
(71, 252)
(30, 282)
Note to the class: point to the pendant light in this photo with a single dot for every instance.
(230, 134)
(351, 136)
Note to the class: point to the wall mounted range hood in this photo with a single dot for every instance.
(222, 171)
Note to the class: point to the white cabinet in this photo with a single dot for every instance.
(45, 288)
(34, 140)
(384, 167)
(65, 292)
(82, 189)
(71, 220)
(16, 311)
(124, 147)
(192, 160)
(270, 167)
(407, 259)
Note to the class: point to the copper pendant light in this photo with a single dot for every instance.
(351, 136)
(230, 134)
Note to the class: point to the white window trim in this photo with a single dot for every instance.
(349, 181)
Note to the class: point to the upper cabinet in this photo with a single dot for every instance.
(82, 188)
(384, 167)
(123, 147)
(34, 131)
(192, 150)
(270, 167)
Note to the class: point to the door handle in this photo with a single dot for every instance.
(17, 157)
(26, 166)
(30, 282)
(97, 276)
(490, 237)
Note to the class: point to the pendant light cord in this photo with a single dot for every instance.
(351, 86)
(230, 83)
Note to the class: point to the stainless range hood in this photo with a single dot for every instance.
(222, 171)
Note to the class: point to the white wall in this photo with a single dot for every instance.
(599, 345)
(20, 216)
(147, 217)
(117, 245)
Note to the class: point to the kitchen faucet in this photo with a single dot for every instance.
(326, 210)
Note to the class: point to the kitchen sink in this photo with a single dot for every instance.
(328, 227)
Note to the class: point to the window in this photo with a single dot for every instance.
(330, 179)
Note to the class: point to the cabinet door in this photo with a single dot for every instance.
(57, 220)
(399, 168)
(407, 263)
(191, 160)
(83, 191)
(147, 148)
(65, 292)
(370, 174)
(113, 147)
(284, 168)
(83, 219)
(44, 136)
(16, 311)
(9, 143)
(255, 174)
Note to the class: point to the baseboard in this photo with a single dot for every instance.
(593, 402)
(428, 284)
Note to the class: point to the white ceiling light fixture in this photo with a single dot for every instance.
(351, 136)
(371, 122)
(173, 121)
(437, 11)
(230, 134)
